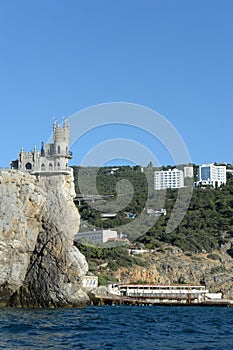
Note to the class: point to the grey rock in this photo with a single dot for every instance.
(39, 266)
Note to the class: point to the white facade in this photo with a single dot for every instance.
(168, 179)
(156, 212)
(90, 282)
(213, 175)
(188, 171)
(52, 157)
(98, 236)
(165, 293)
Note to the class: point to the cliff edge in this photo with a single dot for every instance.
(39, 266)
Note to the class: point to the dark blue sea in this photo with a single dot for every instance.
(118, 327)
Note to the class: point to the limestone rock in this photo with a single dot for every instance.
(39, 266)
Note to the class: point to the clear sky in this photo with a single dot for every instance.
(173, 56)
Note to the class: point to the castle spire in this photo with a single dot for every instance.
(64, 122)
(54, 124)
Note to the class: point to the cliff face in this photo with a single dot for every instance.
(39, 266)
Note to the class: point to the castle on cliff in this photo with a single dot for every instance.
(52, 158)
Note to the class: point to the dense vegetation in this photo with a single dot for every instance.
(104, 261)
(207, 224)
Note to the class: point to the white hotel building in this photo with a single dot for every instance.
(171, 178)
(168, 179)
(213, 175)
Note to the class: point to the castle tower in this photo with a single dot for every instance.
(61, 137)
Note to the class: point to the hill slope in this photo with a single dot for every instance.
(207, 225)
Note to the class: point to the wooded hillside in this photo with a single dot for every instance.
(207, 225)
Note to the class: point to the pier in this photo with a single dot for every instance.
(120, 300)
(154, 295)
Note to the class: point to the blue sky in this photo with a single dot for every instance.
(61, 56)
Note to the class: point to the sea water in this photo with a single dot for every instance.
(118, 327)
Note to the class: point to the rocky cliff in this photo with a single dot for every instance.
(39, 266)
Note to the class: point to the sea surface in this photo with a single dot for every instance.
(117, 327)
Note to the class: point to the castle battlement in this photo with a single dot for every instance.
(52, 158)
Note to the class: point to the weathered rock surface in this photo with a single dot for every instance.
(39, 266)
(174, 266)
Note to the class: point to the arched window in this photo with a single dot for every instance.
(66, 150)
(58, 149)
(28, 166)
(42, 167)
(50, 166)
(58, 165)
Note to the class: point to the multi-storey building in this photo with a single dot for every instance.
(168, 179)
(97, 236)
(213, 175)
(52, 158)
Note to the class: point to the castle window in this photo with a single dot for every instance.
(58, 149)
(43, 167)
(50, 166)
(28, 166)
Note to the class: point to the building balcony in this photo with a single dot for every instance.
(52, 171)
(64, 154)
